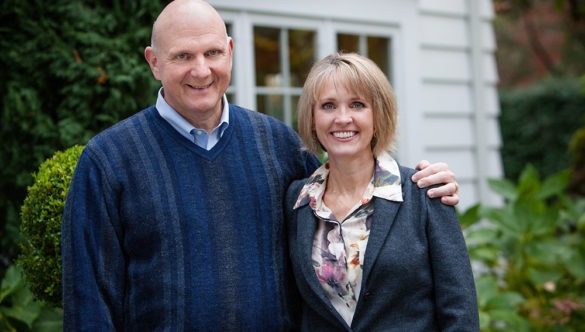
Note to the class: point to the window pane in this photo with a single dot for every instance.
(295, 119)
(301, 55)
(267, 56)
(348, 43)
(231, 89)
(228, 27)
(378, 51)
(375, 48)
(271, 105)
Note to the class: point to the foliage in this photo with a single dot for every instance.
(41, 225)
(69, 68)
(18, 309)
(539, 38)
(577, 151)
(529, 255)
(535, 122)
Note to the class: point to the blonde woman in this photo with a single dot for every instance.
(370, 250)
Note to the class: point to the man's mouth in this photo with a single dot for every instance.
(199, 87)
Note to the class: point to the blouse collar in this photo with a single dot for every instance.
(386, 184)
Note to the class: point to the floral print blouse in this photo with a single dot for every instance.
(339, 246)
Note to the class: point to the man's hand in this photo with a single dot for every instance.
(437, 173)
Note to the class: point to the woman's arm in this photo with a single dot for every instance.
(455, 296)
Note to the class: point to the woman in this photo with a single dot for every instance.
(370, 251)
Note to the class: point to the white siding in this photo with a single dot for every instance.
(460, 102)
(440, 99)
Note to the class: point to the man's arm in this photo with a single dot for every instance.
(437, 173)
(93, 261)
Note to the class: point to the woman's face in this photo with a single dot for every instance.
(344, 121)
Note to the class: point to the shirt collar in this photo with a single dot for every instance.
(183, 126)
(386, 184)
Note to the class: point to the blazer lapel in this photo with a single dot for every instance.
(306, 226)
(383, 218)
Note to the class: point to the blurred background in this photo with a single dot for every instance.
(71, 68)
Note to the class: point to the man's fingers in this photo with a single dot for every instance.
(450, 200)
(422, 164)
(442, 177)
(431, 171)
(436, 174)
(449, 189)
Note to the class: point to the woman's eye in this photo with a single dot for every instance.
(357, 105)
(327, 106)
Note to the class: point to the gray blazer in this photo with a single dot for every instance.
(416, 273)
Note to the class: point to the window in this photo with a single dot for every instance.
(273, 55)
(282, 58)
(230, 93)
(376, 48)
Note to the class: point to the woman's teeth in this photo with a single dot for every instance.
(343, 134)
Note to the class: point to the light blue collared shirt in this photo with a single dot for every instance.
(196, 135)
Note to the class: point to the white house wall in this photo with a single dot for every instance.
(459, 80)
(444, 73)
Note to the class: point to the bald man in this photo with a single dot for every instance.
(174, 217)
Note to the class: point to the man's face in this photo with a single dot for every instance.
(193, 61)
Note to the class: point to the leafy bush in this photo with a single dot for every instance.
(529, 255)
(537, 124)
(41, 225)
(577, 151)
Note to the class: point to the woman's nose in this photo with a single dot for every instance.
(343, 115)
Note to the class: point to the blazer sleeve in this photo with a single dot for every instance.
(455, 295)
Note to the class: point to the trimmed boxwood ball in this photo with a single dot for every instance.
(40, 226)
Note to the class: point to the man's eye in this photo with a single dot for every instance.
(213, 52)
(182, 56)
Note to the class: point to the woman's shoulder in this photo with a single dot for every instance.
(295, 187)
(293, 192)
(410, 191)
(406, 172)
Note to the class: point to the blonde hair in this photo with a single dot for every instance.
(365, 78)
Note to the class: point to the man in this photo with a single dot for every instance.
(174, 217)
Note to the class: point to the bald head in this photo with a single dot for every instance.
(191, 55)
(182, 14)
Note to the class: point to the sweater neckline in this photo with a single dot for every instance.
(167, 129)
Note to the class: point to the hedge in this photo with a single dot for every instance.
(537, 124)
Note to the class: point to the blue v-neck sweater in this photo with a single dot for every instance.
(159, 234)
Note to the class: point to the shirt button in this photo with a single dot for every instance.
(199, 133)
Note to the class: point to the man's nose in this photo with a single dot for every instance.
(199, 66)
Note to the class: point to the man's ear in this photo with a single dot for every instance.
(152, 61)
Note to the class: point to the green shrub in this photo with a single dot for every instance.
(577, 151)
(41, 225)
(537, 124)
(529, 255)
